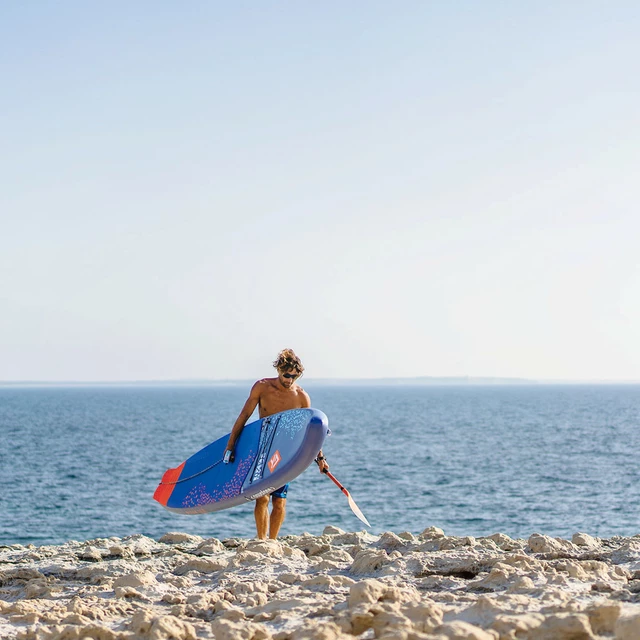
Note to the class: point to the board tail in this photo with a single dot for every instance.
(167, 484)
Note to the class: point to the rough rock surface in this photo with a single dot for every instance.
(336, 586)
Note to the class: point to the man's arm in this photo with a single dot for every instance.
(320, 460)
(245, 414)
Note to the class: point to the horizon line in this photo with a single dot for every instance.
(406, 379)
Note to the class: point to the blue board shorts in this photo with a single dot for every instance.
(281, 492)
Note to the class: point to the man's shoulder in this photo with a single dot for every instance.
(264, 383)
(301, 392)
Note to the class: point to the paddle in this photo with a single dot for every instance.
(352, 504)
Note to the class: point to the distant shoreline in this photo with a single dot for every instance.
(426, 381)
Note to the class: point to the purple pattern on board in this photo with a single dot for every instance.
(199, 496)
(292, 421)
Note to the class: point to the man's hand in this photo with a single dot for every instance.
(321, 461)
(229, 456)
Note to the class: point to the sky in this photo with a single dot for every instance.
(392, 189)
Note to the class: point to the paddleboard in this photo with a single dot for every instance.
(269, 453)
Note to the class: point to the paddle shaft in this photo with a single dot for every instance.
(352, 503)
(346, 493)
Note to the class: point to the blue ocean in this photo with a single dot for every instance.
(83, 462)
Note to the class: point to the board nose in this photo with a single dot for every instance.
(319, 418)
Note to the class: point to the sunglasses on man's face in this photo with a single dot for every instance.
(290, 375)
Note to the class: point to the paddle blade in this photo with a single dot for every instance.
(352, 502)
(356, 510)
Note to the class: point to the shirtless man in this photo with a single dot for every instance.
(272, 395)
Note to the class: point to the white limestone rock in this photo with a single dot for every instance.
(276, 606)
(313, 630)
(481, 613)
(603, 616)
(388, 622)
(628, 552)
(322, 582)
(539, 543)
(178, 537)
(211, 546)
(202, 565)
(504, 542)
(563, 626)
(516, 625)
(584, 540)
(501, 576)
(366, 591)
(459, 630)
(627, 627)
(235, 630)
(332, 531)
(147, 626)
(328, 587)
(389, 541)
(91, 554)
(521, 584)
(425, 615)
(120, 551)
(408, 536)
(142, 546)
(592, 571)
(369, 561)
(336, 555)
(270, 548)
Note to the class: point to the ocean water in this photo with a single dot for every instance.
(83, 462)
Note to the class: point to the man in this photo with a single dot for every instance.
(272, 395)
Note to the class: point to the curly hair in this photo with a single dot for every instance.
(287, 359)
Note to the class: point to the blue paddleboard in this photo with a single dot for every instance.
(269, 453)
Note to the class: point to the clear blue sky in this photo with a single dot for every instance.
(390, 188)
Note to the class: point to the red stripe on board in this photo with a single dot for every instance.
(165, 488)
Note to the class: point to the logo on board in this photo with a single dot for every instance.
(274, 461)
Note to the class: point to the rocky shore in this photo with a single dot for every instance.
(335, 586)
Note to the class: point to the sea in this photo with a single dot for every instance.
(82, 462)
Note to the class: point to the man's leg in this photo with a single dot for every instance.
(261, 513)
(278, 511)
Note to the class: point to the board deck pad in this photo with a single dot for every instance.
(269, 453)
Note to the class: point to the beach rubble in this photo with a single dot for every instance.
(336, 586)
